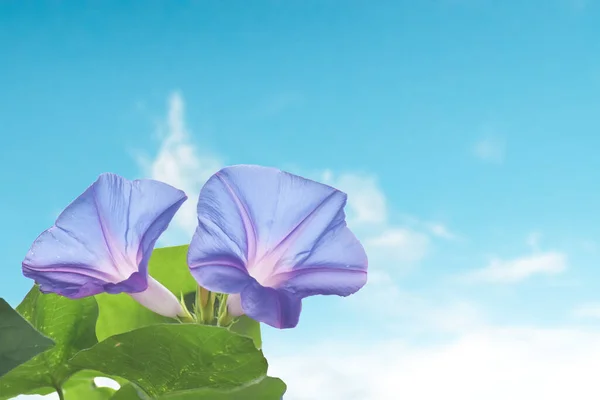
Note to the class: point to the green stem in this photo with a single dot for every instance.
(59, 390)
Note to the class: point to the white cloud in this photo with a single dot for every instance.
(589, 310)
(433, 228)
(368, 215)
(396, 309)
(440, 230)
(393, 250)
(490, 149)
(454, 316)
(181, 164)
(487, 363)
(492, 363)
(391, 247)
(367, 203)
(398, 244)
(518, 269)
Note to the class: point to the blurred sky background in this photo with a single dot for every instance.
(466, 133)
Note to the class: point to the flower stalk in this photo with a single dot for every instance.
(225, 319)
(187, 317)
(205, 305)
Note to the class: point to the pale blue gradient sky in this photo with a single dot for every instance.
(464, 132)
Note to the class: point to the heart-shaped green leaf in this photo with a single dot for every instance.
(170, 357)
(265, 389)
(248, 327)
(81, 386)
(19, 340)
(129, 392)
(70, 323)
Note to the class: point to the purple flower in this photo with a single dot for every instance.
(103, 240)
(269, 238)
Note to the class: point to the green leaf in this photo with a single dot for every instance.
(170, 357)
(81, 386)
(265, 389)
(70, 323)
(19, 341)
(120, 313)
(129, 392)
(248, 327)
(168, 265)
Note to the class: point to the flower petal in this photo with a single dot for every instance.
(337, 265)
(222, 278)
(277, 308)
(103, 240)
(324, 281)
(159, 299)
(264, 220)
(234, 305)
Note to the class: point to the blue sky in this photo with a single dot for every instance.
(464, 131)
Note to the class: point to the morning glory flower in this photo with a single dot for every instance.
(269, 239)
(102, 241)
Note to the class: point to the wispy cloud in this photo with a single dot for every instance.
(368, 210)
(399, 244)
(442, 231)
(433, 228)
(482, 362)
(366, 200)
(491, 363)
(491, 149)
(395, 246)
(518, 269)
(588, 310)
(408, 312)
(180, 163)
